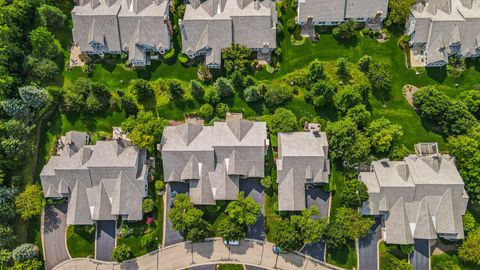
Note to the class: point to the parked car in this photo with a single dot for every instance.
(231, 242)
(277, 250)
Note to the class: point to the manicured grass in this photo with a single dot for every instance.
(80, 243)
(385, 250)
(271, 216)
(229, 267)
(450, 261)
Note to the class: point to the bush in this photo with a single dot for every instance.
(268, 182)
(129, 105)
(221, 110)
(364, 63)
(140, 88)
(197, 88)
(121, 253)
(175, 89)
(148, 205)
(170, 55)
(206, 111)
(204, 73)
(211, 96)
(283, 120)
(159, 186)
(24, 252)
(183, 58)
(224, 87)
(291, 25)
(277, 94)
(346, 30)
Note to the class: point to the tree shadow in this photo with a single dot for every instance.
(439, 74)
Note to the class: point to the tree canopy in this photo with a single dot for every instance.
(144, 130)
(30, 202)
(244, 210)
(353, 193)
(283, 120)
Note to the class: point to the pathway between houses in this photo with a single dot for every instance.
(213, 251)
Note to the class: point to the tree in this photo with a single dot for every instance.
(15, 143)
(277, 94)
(206, 111)
(398, 12)
(380, 78)
(42, 70)
(308, 227)
(345, 31)
(320, 93)
(221, 110)
(406, 249)
(359, 115)
(472, 100)
(282, 120)
(469, 223)
(354, 224)
(141, 89)
(457, 119)
(159, 186)
(286, 237)
(244, 210)
(252, 93)
(342, 67)
(16, 109)
(393, 263)
(148, 205)
(466, 150)
(346, 142)
(30, 202)
(188, 219)
(236, 58)
(175, 89)
(237, 81)
(30, 264)
(268, 182)
(335, 235)
(197, 88)
(353, 194)
(121, 253)
(7, 203)
(51, 17)
(129, 105)
(224, 87)
(230, 230)
(198, 233)
(430, 102)
(469, 250)
(5, 258)
(211, 96)
(399, 152)
(204, 73)
(348, 97)
(7, 237)
(315, 71)
(24, 252)
(383, 134)
(44, 44)
(144, 130)
(364, 63)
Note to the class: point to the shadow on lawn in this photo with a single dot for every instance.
(439, 74)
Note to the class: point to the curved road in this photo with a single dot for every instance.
(184, 255)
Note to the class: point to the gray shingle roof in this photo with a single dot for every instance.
(340, 10)
(214, 156)
(427, 191)
(302, 158)
(442, 24)
(215, 24)
(109, 171)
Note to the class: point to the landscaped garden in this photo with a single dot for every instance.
(393, 256)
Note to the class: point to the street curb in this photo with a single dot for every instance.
(378, 253)
(164, 221)
(42, 230)
(66, 246)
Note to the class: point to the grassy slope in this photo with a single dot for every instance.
(81, 243)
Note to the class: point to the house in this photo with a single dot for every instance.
(333, 12)
(214, 159)
(442, 28)
(140, 28)
(210, 26)
(105, 181)
(302, 160)
(419, 197)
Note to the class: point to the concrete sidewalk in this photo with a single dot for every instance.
(213, 251)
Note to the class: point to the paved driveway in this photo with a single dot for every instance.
(54, 226)
(254, 189)
(172, 236)
(105, 240)
(368, 247)
(320, 198)
(421, 255)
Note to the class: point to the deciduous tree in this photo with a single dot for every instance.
(30, 202)
(283, 120)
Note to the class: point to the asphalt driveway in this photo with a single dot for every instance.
(420, 257)
(254, 189)
(172, 236)
(368, 247)
(54, 226)
(105, 240)
(320, 198)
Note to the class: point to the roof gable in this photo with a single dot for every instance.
(239, 127)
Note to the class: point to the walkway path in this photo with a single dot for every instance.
(54, 224)
(183, 255)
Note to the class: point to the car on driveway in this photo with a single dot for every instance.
(231, 242)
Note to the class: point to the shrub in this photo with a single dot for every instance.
(170, 55)
(183, 58)
(346, 30)
(364, 63)
(283, 120)
(224, 87)
(129, 105)
(175, 89)
(204, 73)
(221, 110)
(277, 94)
(24, 252)
(140, 88)
(348, 97)
(206, 111)
(197, 88)
(148, 205)
(121, 253)
(291, 25)
(159, 186)
(211, 96)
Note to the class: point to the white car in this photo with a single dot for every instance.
(231, 242)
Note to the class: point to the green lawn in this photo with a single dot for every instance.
(450, 261)
(214, 214)
(80, 243)
(229, 267)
